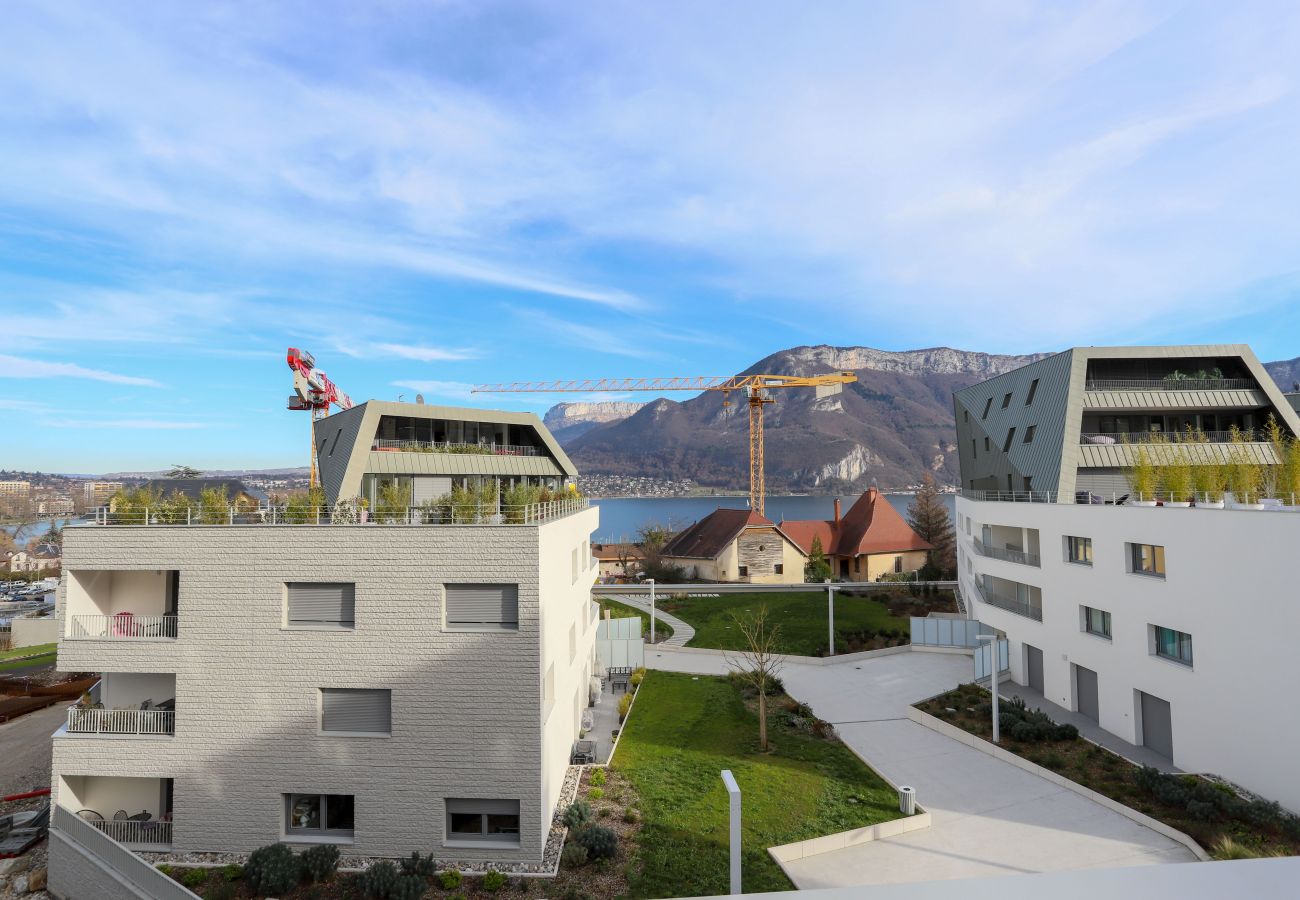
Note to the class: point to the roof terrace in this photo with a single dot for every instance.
(348, 512)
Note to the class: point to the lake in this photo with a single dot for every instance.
(36, 529)
(622, 517)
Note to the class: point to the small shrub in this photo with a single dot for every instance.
(596, 793)
(273, 869)
(380, 880)
(232, 872)
(1054, 761)
(1202, 811)
(624, 704)
(450, 880)
(601, 842)
(415, 864)
(408, 887)
(629, 815)
(598, 777)
(603, 812)
(165, 869)
(320, 861)
(638, 676)
(577, 815)
(192, 878)
(493, 881)
(573, 856)
(222, 890)
(1066, 732)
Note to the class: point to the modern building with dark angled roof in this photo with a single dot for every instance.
(430, 449)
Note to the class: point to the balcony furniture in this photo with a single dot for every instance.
(142, 816)
(120, 816)
(583, 752)
(90, 815)
(620, 677)
(123, 624)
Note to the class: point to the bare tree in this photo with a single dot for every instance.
(759, 663)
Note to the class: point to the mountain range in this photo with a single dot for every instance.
(890, 426)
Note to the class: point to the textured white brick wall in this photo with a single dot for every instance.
(466, 706)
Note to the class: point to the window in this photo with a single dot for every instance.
(1174, 645)
(1011, 436)
(987, 445)
(965, 415)
(898, 567)
(1029, 434)
(356, 711)
(968, 524)
(335, 444)
(1033, 389)
(320, 605)
(1096, 621)
(972, 448)
(1006, 401)
(1079, 550)
(482, 607)
(779, 568)
(1147, 559)
(318, 815)
(483, 821)
(744, 570)
(987, 405)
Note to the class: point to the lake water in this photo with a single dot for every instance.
(622, 517)
(36, 529)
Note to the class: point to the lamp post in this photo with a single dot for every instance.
(993, 678)
(652, 609)
(733, 796)
(830, 618)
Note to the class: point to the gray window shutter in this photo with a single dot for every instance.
(358, 710)
(312, 603)
(490, 807)
(482, 605)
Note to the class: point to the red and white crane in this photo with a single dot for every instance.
(313, 390)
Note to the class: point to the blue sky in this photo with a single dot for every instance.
(432, 195)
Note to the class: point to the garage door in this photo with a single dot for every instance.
(1085, 693)
(1157, 725)
(1034, 664)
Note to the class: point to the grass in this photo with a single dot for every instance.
(618, 610)
(1115, 777)
(34, 650)
(802, 617)
(22, 657)
(682, 733)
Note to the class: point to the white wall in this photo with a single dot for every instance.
(119, 690)
(1230, 583)
(105, 593)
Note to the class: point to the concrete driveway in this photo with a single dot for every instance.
(989, 817)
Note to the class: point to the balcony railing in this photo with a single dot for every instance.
(127, 866)
(1171, 384)
(1010, 604)
(453, 447)
(129, 831)
(121, 627)
(1108, 438)
(121, 721)
(446, 512)
(1008, 554)
(1202, 500)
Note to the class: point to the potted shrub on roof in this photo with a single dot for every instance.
(1207, 472)
(1244, 474)
(1143, 477)
(1178, 476)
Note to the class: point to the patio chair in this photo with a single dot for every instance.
(142, 816)
(120, 816)
(89, 815)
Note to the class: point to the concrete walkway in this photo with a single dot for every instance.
(989, 817)
(682, 632)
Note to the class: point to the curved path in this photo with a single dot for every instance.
(682, 632)
(989, 817)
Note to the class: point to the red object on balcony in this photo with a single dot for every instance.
(123, 624)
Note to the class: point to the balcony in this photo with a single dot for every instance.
(123, 626)
(152, 834)
(1008, 554)
(126, 703)
(453, 447)
(993, 597)
(450, 512)
(1108, 438)
(122, 604)
(136, 812)
(1170, 384)
(121, 721)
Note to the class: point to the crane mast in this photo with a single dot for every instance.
(313, 390)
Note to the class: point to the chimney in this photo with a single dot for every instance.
(837, 509)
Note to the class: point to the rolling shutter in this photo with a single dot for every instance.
(356, 710)
(482, 606)
(313, 603)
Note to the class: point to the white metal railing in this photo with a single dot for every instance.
(1010, 604)
(1137, 438)
(438, 512)
(121, 627)
(454, 447)
(1170, 384)
(99, 843)
(1202, 499)
(129, 831)
(1007, 554)
(121, 721)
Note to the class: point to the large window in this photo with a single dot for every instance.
(482, 607)
(1011, 436)
(1033, 389)
(356, 711)
(318, 815)
(987, 404)
(1096, 621)
(1147, 559)
(483, 821)
(1006, 401)
(1079, 550)
(313, 604)
(898, 565)
(1174, 645)
(1029, 434)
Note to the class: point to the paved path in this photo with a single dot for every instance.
(989, 817)
(26, 749)
(682, 632)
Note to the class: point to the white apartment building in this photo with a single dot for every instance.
(1170, 626)
(414, 684)
(97, 493)
(17, 489)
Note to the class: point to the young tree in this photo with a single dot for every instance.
(929, 518)
(654, 537)
(818, 568)
(759, 663)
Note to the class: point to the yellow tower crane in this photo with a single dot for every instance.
(756, 388)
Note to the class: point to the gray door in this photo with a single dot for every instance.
(1157, 725)
(1085, 693)
(1034, 665)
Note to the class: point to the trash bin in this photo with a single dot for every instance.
(907, 800)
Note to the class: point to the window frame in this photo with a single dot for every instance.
(1107, 633)
(1179, 644)
(1029, 434)
(322, 834)
(1011, 439)
(320, 714)
(898, 564)
(1033, 389)
(288, 624)
(1006, 399)
(742, 571)
(469, 627)
(482, 838)
(1070, 552)
(1158, 563)
(988, 404)
(778, 568)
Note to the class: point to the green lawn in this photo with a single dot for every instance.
(34, 650)
(40, 655)
(682, 733)
(802, 617)
(622, 611)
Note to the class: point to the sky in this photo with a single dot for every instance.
(428, 196)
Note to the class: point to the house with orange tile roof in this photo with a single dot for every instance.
(736, 545)
(870, 541)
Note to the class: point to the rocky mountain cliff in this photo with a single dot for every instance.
(892, 425)
(569, 420)
(1285, 372)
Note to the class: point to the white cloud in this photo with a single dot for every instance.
(18, 367)
(126, 424)
(426, 354)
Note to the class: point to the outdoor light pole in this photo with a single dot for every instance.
(993, 677)
(830, 616)
(733, 796)
(652, 609)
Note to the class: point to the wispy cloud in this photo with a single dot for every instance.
(122, 424)
(427, 354)
(446, 390)
(18, 367)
